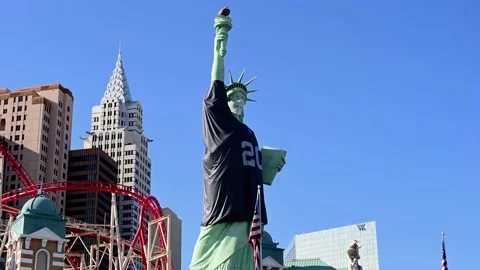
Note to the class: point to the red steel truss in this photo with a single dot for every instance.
(149, 205)
(15, 165)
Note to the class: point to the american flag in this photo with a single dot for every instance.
(255, 237)
(444, 254)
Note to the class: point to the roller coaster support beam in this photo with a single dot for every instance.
(112, 231)
(5, 236)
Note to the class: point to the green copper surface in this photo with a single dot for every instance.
(313, 264)
(40, 206)
(239, 86)
(38, 213)
(224, 246)
(223, 24)
(237, 94)
(237, 91)
(270, 248)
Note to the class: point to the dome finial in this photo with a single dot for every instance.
(40, 190)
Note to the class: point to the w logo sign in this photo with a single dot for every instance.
(361, 227)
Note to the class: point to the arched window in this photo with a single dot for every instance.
(42, 260)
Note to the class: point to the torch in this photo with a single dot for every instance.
(222, 25)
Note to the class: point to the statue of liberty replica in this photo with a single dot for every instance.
(234, 168)
(354, 255)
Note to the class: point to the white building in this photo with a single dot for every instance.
(117, 128)
(330, 247)
(175, 237)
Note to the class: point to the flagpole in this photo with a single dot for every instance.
(259, 194)
(443, 242)
(444, 254)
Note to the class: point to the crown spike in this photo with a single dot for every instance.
(241, 76)
(238, 84)
(230, 77)
(250, 81)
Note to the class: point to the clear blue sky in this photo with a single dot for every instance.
(377, 104)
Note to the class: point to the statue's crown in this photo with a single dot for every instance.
(240, 85)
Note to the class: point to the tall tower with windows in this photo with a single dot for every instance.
(36, 123)
(117, 129)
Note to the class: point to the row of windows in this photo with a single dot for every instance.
(107, 136)
(107, 174)
(19, 109)
(15, 99)
(107, 164)
(83, 158)
(112, 145)
(130, 222)
(129, 207)
(113, 104)
(130, 214)
(19, 118)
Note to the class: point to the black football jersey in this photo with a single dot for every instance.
(232, 163)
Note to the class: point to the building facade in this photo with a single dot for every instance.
(117, 129)
(90, 165)
(272, 255)
(36, 122)
(330, 246)
(175, 237)
(37, 238)
(270, 248)
(90, 206)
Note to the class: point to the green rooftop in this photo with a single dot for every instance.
(38, 213)
(314, 264)
(40, 206)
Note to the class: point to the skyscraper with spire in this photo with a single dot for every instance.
(117, 128)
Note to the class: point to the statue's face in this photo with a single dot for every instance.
(236, 101)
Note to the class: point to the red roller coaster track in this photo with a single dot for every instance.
(149, 205)
(16, 166)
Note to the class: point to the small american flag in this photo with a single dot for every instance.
(255, 237)
(444, 254)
